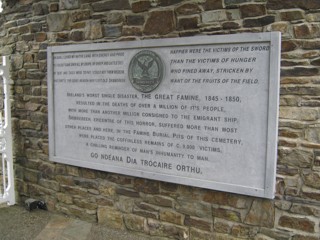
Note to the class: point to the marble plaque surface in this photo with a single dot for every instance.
(199, 111)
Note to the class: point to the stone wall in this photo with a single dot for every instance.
(165, 210)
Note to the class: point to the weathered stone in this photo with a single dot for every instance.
(304, 237)
(78, 25)
(88, 173)
(252, 10)
(295, 157)
(42, 55)
(188, 23)
(10, 24)
(303, 224)
(40, 9)
(227, 199)
(110, 217)
(171, 216)
(168, 2)
(258, 22)
(285, 4)
(291, 191)
(58, 22)
(310, 44)
(283, 27)
(233, 14)
(316, 62)
(312, 180)
(133, 20)
(127, 192)
(146, 214)
(135, 223)
(23, 21)
(77, 35)
(213, 4)
(157, 228)
(230, 25)
(131, 31)
(160, 23)
(85, 203)
(288, 133)
(73, 4)
(47, 169)
(30, 66)
(36, 190)
(35, 75)
(310, 193)
(140, 6)
(262, 213)
(188, 9)
(196, 234)
(231, 2)
(125, 204)
(24, 29)
(299, 90)
(74, 190)
(64, 198)
(80, 15)
(54, 7)
(111, 5)
(203, 224)
(112, 31)
(31, 175)
(146, 186)
(242, 231)
(312, 134)
(295, 113)
(80, 213)
(313, 17)
(262, 237)
(283, 205)
(148, 207)
(50, 184)
(115, 18)
(102, 201)
(93, 191)
(73, 171)
(227, 214)
(194, 208)
(214, 16)
(65, 180)
(305, 210)
(32, 106)
(292, 15)
(93, 30)
(16, 61)
(222, 226)
(26, 124)
(7, 50)
(41, 36)
(276, 234)
(85, 183)
(22, 46)
(292, 63)
(310, 30)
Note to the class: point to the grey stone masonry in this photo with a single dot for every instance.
(158, 209)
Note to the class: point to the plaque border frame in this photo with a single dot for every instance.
(274, 38)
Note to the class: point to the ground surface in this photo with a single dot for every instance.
(16, 223)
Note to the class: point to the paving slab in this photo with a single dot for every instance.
(17, 223)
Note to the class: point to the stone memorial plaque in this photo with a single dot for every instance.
(199, 111)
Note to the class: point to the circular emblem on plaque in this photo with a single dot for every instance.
(145, 71)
